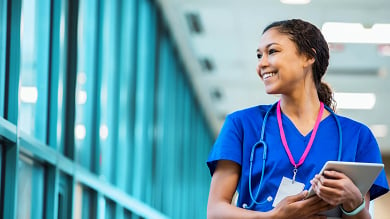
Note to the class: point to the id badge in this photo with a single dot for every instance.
(287, 188)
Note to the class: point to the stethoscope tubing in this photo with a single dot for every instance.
(261, 142)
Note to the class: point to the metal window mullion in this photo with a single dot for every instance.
(11, 152)
(70, 86)
(126, 62)
(11, 156)
(95, 165)
(131, 68)
(161, 121)
(144, 102)
(13, 61)
(3, 37)
(51, 192)
(70, 81)
(187, 206)
(181, 129)
(86, 51)
(37, 192)
(42, 40)
(169, 133)
(111, 79)
(53, 80)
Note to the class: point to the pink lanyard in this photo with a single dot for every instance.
(284, 141)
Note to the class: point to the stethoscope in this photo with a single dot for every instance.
(262, 143)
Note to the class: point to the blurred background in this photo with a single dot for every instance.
(108, 109)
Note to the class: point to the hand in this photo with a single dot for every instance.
(297, 206)
(336, 188)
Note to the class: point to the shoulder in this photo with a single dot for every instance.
(353, 129)
(251, 112)
(247, 118)
(352, 125)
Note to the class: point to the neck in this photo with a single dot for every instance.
(302, 112)
(300, 107)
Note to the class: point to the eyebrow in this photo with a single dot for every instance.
(269, 45)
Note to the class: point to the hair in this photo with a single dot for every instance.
(310, 42)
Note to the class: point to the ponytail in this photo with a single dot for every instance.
(325, 94)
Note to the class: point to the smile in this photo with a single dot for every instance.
(268, 75)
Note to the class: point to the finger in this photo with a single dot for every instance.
(328, 181)
(316, 204)
(330, 174)
(316, 201)
(298, 197)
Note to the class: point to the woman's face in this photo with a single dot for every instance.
(280, 66)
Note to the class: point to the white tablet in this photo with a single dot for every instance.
(362, 175)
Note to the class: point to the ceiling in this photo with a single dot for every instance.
(227, 38)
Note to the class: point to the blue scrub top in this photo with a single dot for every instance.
(242, 129)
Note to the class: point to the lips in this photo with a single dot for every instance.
(268, 75)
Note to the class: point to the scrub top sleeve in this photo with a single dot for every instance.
(368, 151)
(228, 145)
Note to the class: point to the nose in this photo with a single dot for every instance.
(261, 64)
(263, 61)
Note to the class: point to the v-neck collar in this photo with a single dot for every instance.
(287, 122)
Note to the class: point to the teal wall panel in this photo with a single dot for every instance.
(144, 107)
(116, 130)
(86, 84)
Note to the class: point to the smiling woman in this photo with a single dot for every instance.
(271, 166)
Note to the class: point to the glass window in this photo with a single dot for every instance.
(30, 189)
(86, 83)
(109, 90)
(126, 104)
(34, 42)
(85, 202)
(127, 86)
(109, 209)
(64, 197)
(58, 76)
(145, 99)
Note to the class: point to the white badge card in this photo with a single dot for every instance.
(287, 188)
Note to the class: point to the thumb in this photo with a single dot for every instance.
(300, 196)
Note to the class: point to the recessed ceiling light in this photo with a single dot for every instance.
(206, 64)
(28, 94)
(335, 32)
(194, 22)
(365, 101)
(295, 2)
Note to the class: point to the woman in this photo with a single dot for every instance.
(300, 134)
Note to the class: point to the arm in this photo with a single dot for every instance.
(337, 189)
(223, 186)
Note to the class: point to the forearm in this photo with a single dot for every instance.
(224, 210)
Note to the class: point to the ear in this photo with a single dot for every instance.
(309, 60)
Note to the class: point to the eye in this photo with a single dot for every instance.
(259, 55)
(271, 51)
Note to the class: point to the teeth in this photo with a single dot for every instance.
(268, 74)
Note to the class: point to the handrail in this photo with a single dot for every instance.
(7, 131)
(45, 154)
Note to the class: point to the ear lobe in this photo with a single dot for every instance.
(309, 61)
